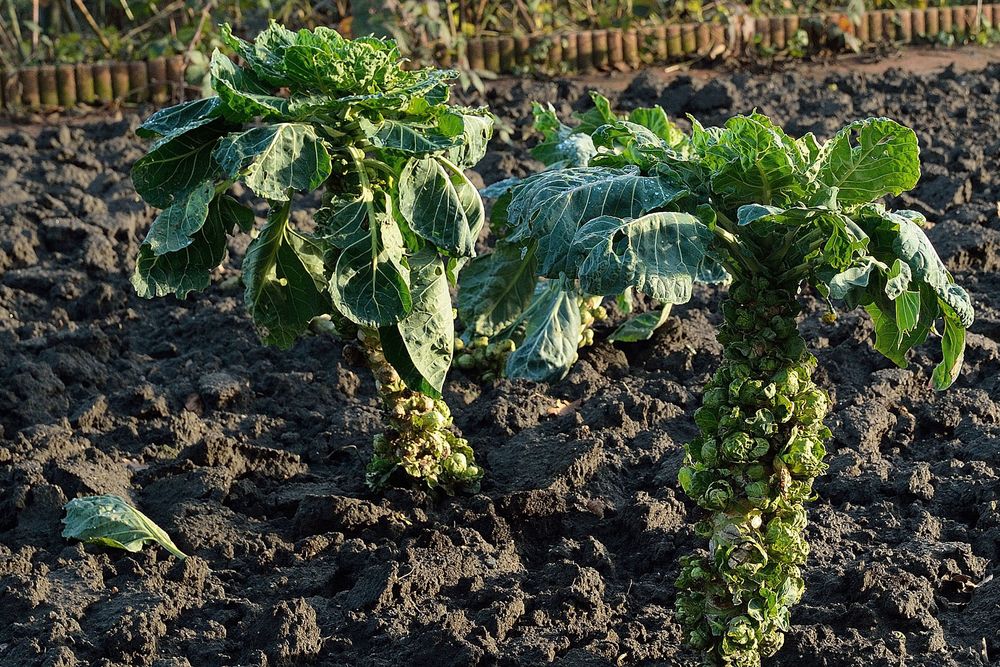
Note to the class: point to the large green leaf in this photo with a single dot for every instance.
(868, 159)
(495, 288)
(408, 138)
(180, 118)
(276, 159)
(552, 333)
(343, 221)
(284, 277)
(421, 345)
(242, 94)
(551, 206)
(892, 340)
(472, 130)
(189, 269)
(640, 327)
(110, 521)
(953, 350)
(752, 161)
(913, 247)
(370, 283)
(440, 204)
(176, 165)
(659, 254)
(172, 228)
(656, 120)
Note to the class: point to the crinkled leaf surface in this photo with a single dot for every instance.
(285, 281)
(549, 207)
(370, 283)
(421, 345)
(172, 228)
(441, 205)
(180, 118)
(176, 165)
(659, 254)
(189, 269)
(276, 159)
(110, 521)
(494, 289)
(552, 332)
(868, 159)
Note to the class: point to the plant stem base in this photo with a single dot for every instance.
(418, 444)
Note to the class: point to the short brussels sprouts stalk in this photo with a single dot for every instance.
(752, 467)
(418, 443)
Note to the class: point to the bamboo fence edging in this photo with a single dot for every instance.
(162, 80)
(52, 87)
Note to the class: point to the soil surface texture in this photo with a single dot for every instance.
(253, 459)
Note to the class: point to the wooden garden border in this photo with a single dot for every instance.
(161, 80)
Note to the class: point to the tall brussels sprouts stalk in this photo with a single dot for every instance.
(418, 440)
(310, 110)
(761, 446)
(656, 210)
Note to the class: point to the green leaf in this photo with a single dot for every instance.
(172, 228)
(408, 138)
(495, 288)
(180, 118)
(913, 247)
(552, 332)
(189, 269)
(472, 129)
(551, 206)
(343, 221)
(110, 521)
(656, 120)
(440, 204)
(753, 161)
(869, 159)
(600, 114)
(276, 159)
(953, 349)
(907, 311)
(421, 345)
(897, 279)
(176, 165)
(370, 283)
(852, 278)
(659, 254)
(890, 339)
(284, 276)
(242, 94)
(640, 327)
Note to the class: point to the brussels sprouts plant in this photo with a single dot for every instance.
(311, 110)
(657, 210)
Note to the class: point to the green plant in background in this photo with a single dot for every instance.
(399, 217)
(775, 213)
(522, 319)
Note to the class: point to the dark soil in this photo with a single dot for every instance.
(253, 458)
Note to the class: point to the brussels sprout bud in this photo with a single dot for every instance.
(717, 495)
(480, 341)
(488, 376)
(459, 344)
(600, 313)
(465, 362)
